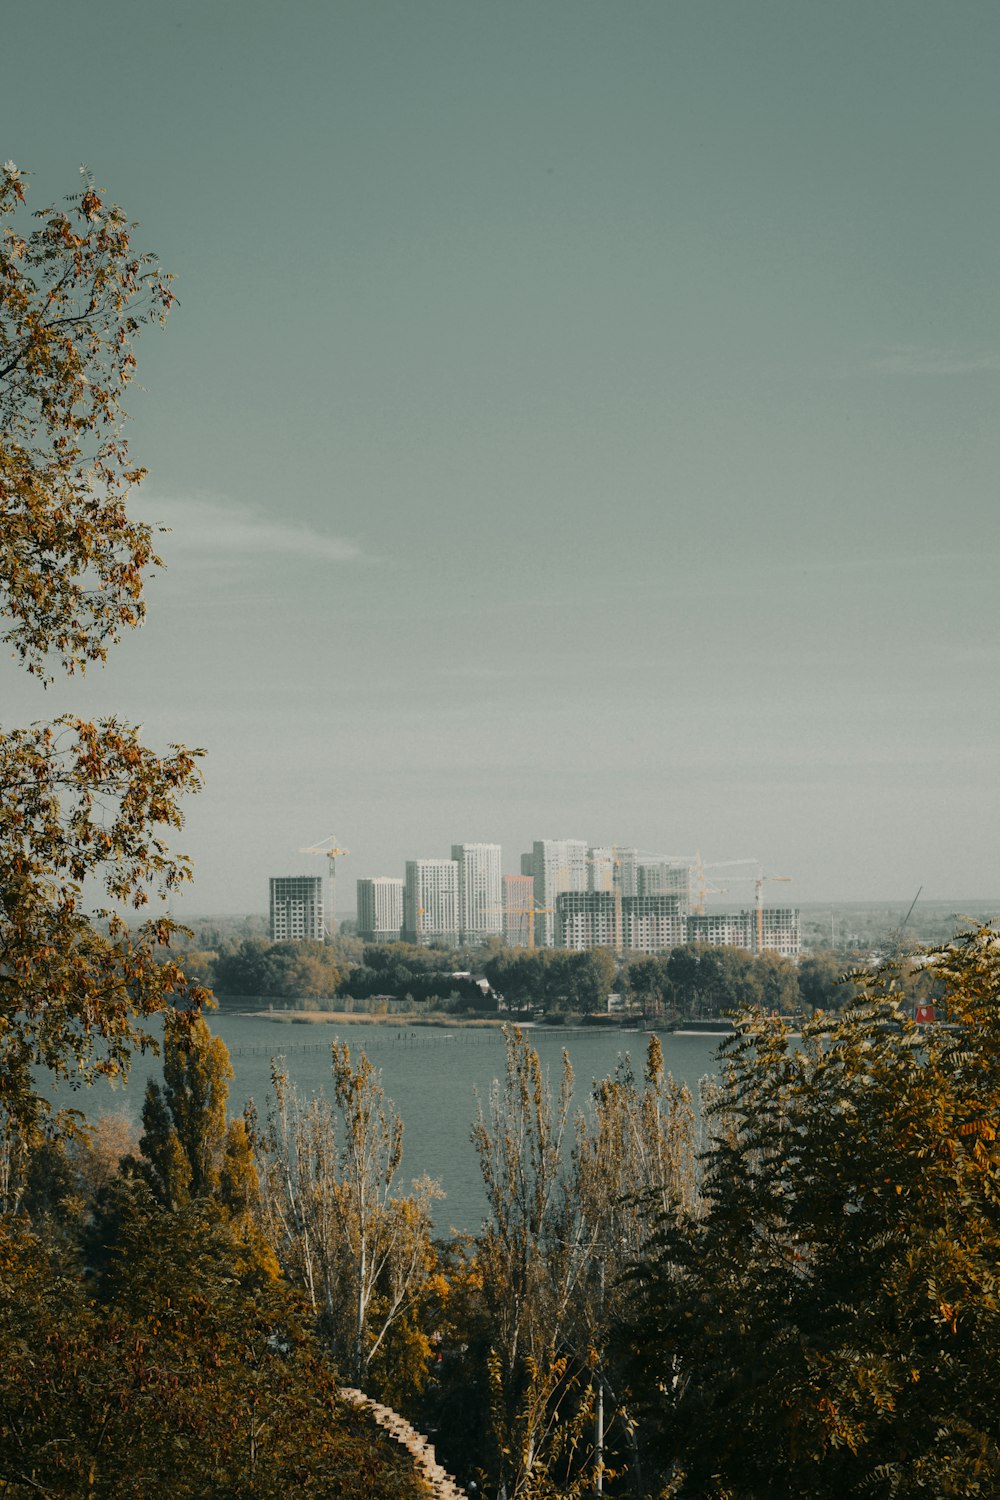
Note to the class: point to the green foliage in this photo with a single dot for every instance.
(831, 1325)
(192, 1375)
(287, 970)
(188, 1145)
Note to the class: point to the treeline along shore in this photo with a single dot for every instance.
(349, 977)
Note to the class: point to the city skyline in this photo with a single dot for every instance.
(571, 418)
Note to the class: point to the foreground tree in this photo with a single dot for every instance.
(79, 802)
(831, 1326)
(360, 1250)
(190, 1373)
(562, 1226)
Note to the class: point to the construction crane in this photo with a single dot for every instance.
(328, 847)
(759, 881)
(531, 913)
(705, 889)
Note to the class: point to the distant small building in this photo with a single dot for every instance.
(296, 908)
(380, 909)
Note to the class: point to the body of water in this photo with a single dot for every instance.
(431, 1074)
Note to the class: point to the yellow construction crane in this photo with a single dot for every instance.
(531, 913)
(329, 848)
(759, 881)
(703, 885)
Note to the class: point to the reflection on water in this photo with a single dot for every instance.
(431, 1074)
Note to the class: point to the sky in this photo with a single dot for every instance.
(579, 420)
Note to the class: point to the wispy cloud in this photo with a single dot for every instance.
(914, 359)
(222, 529)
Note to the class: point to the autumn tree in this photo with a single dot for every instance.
(571, 1202)
(360, 1250)
(830, 1326)
(182, 1371)
(79, 801)
(190, 1147)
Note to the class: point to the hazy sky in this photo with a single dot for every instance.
(580, 420)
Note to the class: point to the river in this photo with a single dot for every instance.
(432, 1075)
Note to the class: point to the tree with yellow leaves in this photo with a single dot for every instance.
(830, 1325)
(79, 801)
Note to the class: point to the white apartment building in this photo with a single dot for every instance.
(627, 864)
(557, 865)
(601, 869)
(430, 901)
(518, 902)
(480, 894)
(380, 909)
(296, 908)
(657, 877)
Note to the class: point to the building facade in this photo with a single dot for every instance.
(380, 909)
(601, 869)
(653, 924)
(586, 919)
(480, 895)
(557, 865)
(780, 931)
(430, 901)
(518, 903)
(721, 929)
(660, 878)
(296, 908)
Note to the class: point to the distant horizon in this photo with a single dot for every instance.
(945, 904)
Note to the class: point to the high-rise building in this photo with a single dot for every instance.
(518, 901)
(297, 908)
(601, 869)
(653, 924)
(557, 865)
(627, 871)
(585, 919)
(430, 901)
(480, 898)
(781, 932)
(380, 909)
(658, 877)
(606, 919)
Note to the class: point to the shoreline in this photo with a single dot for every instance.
(347, 1017)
